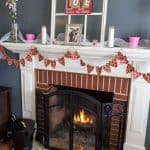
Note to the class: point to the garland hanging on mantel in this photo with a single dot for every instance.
(118, 59)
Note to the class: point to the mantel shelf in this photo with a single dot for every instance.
(138, 54)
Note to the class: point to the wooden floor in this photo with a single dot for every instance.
(37, 146)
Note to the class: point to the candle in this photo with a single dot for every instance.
(111, 34)
(44, 35)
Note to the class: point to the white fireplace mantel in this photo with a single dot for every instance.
(139, 93)
(139, 54)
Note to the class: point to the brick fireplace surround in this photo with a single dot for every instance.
(119, 86)
(123, 85)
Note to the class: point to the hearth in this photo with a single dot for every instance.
(78, 119)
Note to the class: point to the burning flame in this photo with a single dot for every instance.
(81, 147)
(82, 117)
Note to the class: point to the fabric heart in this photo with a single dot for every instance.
(147, 77)
(22, 62)
(107, 68)
(82, 62)
(53, 63)
(16, 62)
(33, 51)
(113, 63)
(46, 62)
(1, 49)
(9, 61)
(129, 68)
(28, 58)
(75, 55)
(90, 68)
(61, 61)
(120, 56)
(136, 74)
(68, 54)
(124, 60)
(98, 70)
(40, 57)
(4, 57)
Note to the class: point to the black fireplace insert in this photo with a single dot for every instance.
(74, 119)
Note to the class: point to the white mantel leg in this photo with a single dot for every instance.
(28, 91)
(137, 115)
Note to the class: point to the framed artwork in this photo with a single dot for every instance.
(73, 34)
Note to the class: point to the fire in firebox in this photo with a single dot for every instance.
(82, 118)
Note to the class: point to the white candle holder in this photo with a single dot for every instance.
(44, 35)
(111, 34)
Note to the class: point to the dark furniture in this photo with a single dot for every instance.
(23, 130)
(4, 111)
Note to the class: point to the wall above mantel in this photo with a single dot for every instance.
(124, 15)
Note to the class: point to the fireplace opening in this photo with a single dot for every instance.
(76, 119)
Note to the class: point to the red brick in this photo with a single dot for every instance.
(68, 79)
(100, 84)
(73, 80)
(125, 84)
(78, 80)
(95, 81)
(54, 77)
(63, 78)
(118, 85)
(112, 82)
(89, 82)
(84, 81)
(106, 83)
(120, 97)
(44, 76)
(49, 77)
(40, 76)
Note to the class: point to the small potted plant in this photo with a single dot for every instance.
(12, 6)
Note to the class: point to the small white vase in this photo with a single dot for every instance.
(14, 32)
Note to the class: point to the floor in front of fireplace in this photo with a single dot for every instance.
(37, 146)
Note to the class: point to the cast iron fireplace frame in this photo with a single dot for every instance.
(103, 113)
(41, 135)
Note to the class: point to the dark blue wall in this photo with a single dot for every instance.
(130, 17)
(10, 77)
(31, 15)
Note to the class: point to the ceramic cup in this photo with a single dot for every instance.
(30, 37)
(134, 41)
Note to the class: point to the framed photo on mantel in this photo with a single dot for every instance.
(73, 34)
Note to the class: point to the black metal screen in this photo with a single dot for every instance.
(59, 126)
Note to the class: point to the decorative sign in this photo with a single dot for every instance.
(78, 6)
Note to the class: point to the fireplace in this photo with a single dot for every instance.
(126, 89)
(79, 119)
(118, 86)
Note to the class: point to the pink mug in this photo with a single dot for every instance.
(30, 36)
(134, 41)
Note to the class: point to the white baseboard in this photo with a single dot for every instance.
(128, 146)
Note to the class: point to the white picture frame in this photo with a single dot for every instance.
(73, 34)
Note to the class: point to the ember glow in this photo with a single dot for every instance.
(82, 118)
